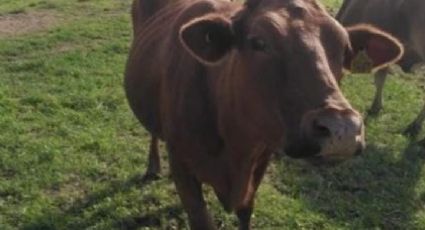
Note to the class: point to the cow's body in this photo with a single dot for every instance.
(183, 110)
(221, 112)
(405, 19)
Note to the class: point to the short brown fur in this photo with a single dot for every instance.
(225, 87)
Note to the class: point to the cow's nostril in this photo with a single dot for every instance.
(320, 130)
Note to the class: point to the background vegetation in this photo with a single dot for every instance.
(72, 154)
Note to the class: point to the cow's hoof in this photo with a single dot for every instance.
(374, 110)
(412, 130)
(148, 177)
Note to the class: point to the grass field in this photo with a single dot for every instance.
(72, 154)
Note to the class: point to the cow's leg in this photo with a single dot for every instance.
(190, 193)
(380, 77)
(415, 127)
(154, 165)
(244, 216)
(244, 213)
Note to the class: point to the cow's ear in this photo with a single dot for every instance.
(371, 49)
(208, 38)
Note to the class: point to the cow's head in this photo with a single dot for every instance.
(296, 51)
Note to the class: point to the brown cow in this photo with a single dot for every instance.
(405, 19)
(226, 84)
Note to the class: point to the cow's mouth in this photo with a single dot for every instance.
(333, 159)
(328, 161)
(312, 151)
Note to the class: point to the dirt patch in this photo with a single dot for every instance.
(71, 190)
(26, 22)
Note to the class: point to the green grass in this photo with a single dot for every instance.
(72, 154)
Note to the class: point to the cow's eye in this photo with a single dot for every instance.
(257, 44)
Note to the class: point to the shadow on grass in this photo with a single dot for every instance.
(376, 190)
(74, 217)
(153, 220)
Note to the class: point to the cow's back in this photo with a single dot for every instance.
(159, 71)
(381, 13)
(398, 17)
(143, 72)
(143, 10)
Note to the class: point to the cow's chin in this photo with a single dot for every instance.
(312, 152)
(302, 149)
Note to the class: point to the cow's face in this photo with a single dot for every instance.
(296, 53)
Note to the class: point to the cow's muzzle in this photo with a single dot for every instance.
(338, 132)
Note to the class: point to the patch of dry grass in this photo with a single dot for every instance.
(26, 22)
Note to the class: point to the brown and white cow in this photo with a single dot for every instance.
(404, 19)
(226, 84)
